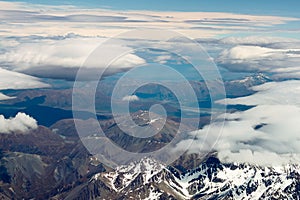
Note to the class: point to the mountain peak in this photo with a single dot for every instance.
(211, 179)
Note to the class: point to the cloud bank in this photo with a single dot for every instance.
(16, 81)
(61, 58)
(279, 57)
(58, 20)
(54, 41)
(21, 123)
(272, 93)
(4, 97)
(267, 134)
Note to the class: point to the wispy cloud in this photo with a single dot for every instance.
(59, 20)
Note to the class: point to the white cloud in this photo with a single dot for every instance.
(240, 53)
(267, 134)
(279, 57)
(15, 80)
(130, 98)
(54, 58)
(59, 20)
(263, 41)
(163, 59)
(21, 123)
(273, 93)
(4, 97)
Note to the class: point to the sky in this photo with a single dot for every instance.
(261, 7)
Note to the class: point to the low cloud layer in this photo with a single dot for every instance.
(21, 123)
(267, 134)
(69, 53)
(273, 93)
(15, 80)
(279, 57)
(4, 97)
(61, 58)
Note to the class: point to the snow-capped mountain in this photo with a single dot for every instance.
(212, 179)
(242, 87)
(252, 80)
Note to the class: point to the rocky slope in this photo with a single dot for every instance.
(40, 164)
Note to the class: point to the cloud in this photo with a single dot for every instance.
(163, 59)
(61, 58)
(279, 57)
(267, 134)
(4, 97)
(130, 98)
(17, 81)
(273, 93)
(262, 41)
(45, 20)
(36, 39)
(239, 53)
(20, 123)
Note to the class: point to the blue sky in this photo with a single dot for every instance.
(262, 7)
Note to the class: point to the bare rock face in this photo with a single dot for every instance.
(41, 164)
